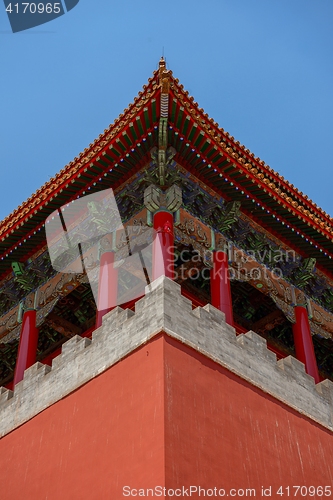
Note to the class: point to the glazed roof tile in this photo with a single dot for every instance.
(21, 213)
(264, 178)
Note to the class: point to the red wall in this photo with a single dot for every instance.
(221, 431)
(89, 445)
(165, 415)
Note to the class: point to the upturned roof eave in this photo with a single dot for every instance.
(284, 192)
(41, 197)
(283, 195)
(23, 226)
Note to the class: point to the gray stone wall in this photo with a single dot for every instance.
(204, 329)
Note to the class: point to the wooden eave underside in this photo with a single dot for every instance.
(204, 149)
(233, 169)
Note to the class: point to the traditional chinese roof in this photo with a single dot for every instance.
(202, 148)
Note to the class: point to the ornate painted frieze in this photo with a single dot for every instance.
(246, 266)
(249, 266)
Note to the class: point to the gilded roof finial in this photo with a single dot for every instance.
(164, 76)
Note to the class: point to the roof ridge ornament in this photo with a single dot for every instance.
(164, 80)
(164, 75)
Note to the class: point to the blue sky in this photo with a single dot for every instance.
(263, 69)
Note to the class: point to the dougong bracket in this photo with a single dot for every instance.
(155, 199)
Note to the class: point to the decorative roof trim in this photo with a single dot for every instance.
(50, 189)
(265, 176)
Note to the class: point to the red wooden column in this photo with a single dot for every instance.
(27, 349)
(107, 286)
(163, 249)
(303, 342)
(220, 285)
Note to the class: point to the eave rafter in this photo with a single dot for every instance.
(228, 159)
(122, 150)
(264, 174)
(216, 167)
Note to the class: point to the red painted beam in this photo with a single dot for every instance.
(163, 247)
(303, 342)
(28, 345)
(220, 285)
(107, 286)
